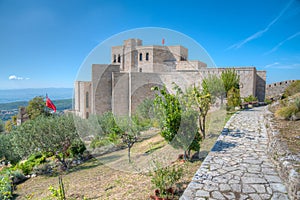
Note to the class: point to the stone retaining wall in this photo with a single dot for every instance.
(285, 161)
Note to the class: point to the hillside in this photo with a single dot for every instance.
(9, 109)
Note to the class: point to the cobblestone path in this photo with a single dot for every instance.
(238, 166)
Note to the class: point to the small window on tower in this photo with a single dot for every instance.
(141, 56)
(141, 69)
(87, 100)
(147, 56)
(115, 58)
(119, 58)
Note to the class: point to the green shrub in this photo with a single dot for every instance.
(17, 177)
(28, 165)
(164, 178)
(233, 97)
(108, 123)
(6, 189)
(250, 98)
(268, 101)
(77, 148)
(99, 142)
(286, 112)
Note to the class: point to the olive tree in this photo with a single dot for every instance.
(56, 135)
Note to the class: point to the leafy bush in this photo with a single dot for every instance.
(44, 168)
(292, 89)
(108, 123)
(268, 101)
(6, 151)
(17, 177)
(250, 98)
(233, 97)
(99, 142)
(145, 109)
(76, 148)
(164, 178)
(6, 189)
(28, 165)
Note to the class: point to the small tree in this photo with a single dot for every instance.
(55, 135)
(180, 111)
(214, 86)
(36, 107)
(129, 133)
(201, 101)
(168, 105)
(230, 80)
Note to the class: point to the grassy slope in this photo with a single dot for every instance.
(111, 177)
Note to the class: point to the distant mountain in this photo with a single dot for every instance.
(13, 95)
(9, 109)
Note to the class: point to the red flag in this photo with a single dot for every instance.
(50, 104)
(163, 41)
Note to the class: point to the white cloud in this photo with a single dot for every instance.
(282, 42)
(271, 65)
(277, 65)
(14, 77)
(261, 32)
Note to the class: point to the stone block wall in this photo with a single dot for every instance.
(285, 161)
(275, 90)
(120, 93)
(260, 85)
(83, 102)
(102, 87)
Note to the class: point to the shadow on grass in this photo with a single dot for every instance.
(108, 159)
(153, 149)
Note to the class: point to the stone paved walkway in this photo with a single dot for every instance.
(238, 167)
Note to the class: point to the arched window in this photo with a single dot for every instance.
(141, 69)
(147, 56)
(141, 56)
(87, 99)
(87, 115)
(115, 58)
(119, 58)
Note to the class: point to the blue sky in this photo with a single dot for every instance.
(44, 43)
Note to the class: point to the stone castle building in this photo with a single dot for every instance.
(120, 86)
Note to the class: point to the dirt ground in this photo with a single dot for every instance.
(111, 176)
(289, 131)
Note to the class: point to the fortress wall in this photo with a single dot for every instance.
(178, 52)
(120, 93)
(161, 55)
(260, 85)
(82, 98)
(102, 85)
(141, 84)
(277, 89)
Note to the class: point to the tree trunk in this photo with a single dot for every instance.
(203, 125)
(129, 148)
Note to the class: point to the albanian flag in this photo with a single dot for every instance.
(50, 104)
